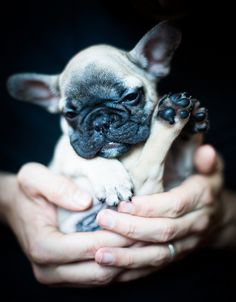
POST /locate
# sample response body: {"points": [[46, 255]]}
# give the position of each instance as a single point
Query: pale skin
{"points": [[195, 214], [192, 215]]}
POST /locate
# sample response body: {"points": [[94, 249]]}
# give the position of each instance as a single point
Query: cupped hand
{"points": [[56, 258], [184, 216]]}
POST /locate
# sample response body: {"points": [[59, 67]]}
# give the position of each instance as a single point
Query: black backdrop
{"points": [[42, 37]]}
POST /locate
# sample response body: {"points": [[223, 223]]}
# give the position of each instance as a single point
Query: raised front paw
{"points": [[175, 107], [183, 107]]}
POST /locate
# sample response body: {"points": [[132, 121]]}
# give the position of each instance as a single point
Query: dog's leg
{"points": [[172, 115], [179, 164], [179, 161]]}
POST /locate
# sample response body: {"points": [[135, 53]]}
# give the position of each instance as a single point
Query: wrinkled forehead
{"points": [[100, 71]]}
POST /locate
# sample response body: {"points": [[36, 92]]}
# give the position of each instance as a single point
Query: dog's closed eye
{"points": [[133, 96]]}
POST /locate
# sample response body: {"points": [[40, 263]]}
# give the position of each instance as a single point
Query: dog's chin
{"points": [[113, 150], [109, 150]]}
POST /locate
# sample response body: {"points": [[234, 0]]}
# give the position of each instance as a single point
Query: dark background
{"points": [[42, 37]]}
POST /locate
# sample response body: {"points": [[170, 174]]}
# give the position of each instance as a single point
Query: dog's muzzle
{"points": [[106, 131]]}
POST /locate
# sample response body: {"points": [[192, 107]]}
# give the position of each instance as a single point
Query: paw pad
{"points": [[168, 114], [181, 106], [180, 99], [172, 105], [199, 120]]}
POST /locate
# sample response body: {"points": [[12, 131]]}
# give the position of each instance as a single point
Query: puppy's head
{"points": [[106, 95]]}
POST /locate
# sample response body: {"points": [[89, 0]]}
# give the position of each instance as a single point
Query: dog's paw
{"points": [[198, 121], [175, 107], [183, 107], [112, 184]]}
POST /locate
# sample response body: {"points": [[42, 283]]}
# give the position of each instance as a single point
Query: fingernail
{"points": [[106, 220], [81, 199], [126, 207], [106, 258]]}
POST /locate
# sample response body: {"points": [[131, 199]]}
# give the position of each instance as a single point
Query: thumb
{"points": [[205, 159], [37, 180]]}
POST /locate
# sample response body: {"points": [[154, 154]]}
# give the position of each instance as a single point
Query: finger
{"points": [[155, 256], [155, 229], [133, 258], [134, 274], [208, 162], [37, 180], [53, 247], [77, 274], [205, 159], [194, 193]]}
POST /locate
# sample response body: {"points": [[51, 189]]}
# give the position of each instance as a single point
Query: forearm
{"points": [[7, 191]]}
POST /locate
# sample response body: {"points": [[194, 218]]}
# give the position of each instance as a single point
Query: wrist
{"points": [[8, 192]]}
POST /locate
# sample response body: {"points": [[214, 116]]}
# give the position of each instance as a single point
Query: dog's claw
{"points": [[102, 200]]}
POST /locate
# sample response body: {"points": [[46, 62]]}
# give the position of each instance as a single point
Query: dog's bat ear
{"points": [[155, 50], [35, 88]]}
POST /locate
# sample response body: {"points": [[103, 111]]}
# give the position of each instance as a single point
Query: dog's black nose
{"points": [[101, 123]]}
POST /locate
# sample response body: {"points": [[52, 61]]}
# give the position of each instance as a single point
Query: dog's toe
{"points": [[120, 193], [198, 122], [180, 99], [125, 194], [168, 114]]}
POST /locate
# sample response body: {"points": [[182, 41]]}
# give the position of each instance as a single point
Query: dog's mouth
{"points": [[111, 142], [112, 149], [111, 145]]}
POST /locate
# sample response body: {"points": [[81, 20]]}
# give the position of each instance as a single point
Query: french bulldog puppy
{"points": [[117, 132]]}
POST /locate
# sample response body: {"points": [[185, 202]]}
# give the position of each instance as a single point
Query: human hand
{"points": [[56, 258], [184, 216]]}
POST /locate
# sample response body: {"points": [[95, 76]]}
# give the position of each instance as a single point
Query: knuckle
{"points": [[145, 207], [192, 244], [25, 171], [202, 223], [178, 208], [103, 277], [125, 260], [60, 188], [209, 199], [91, 249], [131, 231], [40, 276], [160, 257], [167, 232], [148, 210], [38, 253]]}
